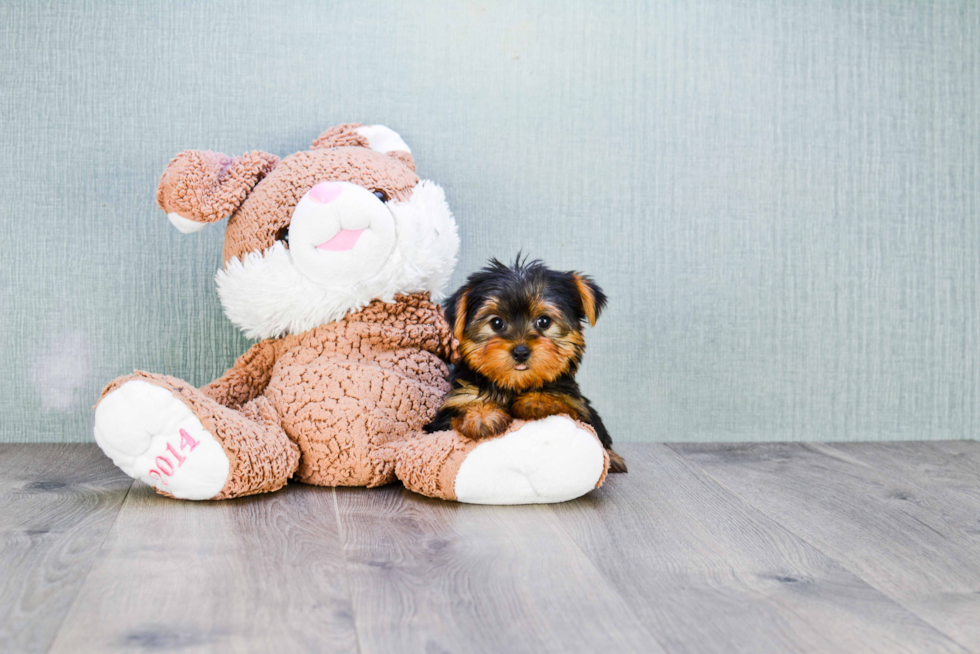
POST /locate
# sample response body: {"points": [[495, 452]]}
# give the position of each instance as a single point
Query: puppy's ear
{"points": [[456, 311], [376, 137], [591, 296], [200, 187]]}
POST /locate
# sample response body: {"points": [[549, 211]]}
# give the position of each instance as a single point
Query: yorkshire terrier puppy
{"points": [[520, 335]]}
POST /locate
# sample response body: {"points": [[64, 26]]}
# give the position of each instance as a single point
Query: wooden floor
{"points": [[699, 549]]}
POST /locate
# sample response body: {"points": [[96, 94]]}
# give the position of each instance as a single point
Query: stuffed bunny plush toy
{"points": [[334, 258]]}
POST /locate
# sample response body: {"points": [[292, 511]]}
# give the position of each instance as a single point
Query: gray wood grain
{"points": [[909, 542], [700, 549], [432, 576], [709, 573], [948, 470], [57, 503], [258, 574]]}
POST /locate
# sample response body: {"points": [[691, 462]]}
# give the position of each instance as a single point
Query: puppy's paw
{"points": [[537, 405], [481, 422], [616, 461]]}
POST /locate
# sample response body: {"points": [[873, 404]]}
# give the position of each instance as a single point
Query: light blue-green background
{"points": [[782, 198]]}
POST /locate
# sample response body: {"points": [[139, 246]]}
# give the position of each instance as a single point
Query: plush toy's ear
{"points": [[200, 187], [455, 308], [376, 137], [592, 298]]}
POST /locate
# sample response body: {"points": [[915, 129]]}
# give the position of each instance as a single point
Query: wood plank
{"points": [[899, 537], [57, 503], [433, 576], [707, 573], [257, 574], [948, 470]]}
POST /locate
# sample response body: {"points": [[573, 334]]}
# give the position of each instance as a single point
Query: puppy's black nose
{"points": [[521, 353]]}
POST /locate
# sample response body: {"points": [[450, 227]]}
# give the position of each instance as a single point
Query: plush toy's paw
{"points": [[153, 436], [616, 462], [542, 462]]}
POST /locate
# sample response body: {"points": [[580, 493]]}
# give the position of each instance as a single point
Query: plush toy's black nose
{"points": [[521, 353]]}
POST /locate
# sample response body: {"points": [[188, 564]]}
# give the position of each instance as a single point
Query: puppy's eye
{"points": [[543, 323], [496, 324], [283, 235], [381, 195]]}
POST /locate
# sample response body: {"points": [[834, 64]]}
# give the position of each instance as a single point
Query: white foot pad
{"points": [[154, 437], [545, 461]]}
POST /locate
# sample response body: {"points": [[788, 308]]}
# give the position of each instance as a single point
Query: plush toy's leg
{"points": [[169, 434], [544, 461]]}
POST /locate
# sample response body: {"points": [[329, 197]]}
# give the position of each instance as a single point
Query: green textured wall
{"points": [[781, 198]]}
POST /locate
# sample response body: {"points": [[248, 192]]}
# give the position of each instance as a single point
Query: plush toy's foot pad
{"points": [[153, 436], [541, 462], [544, 461]]}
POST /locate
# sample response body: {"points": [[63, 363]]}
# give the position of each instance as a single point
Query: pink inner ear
{"points": [[325, 192]]}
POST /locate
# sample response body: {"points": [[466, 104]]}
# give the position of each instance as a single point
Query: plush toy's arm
{"points": [[246, 379]]}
